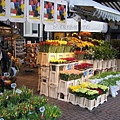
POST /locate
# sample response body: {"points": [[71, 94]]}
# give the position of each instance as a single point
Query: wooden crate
{"points": [[57, 67], [46, 57], [71, 65], [60, 55], [44, 89], [62, 97], [39, 58], [44, 79], [54, 78], [53, 91], [39, 82], [39, 70], [103, 98], [66, 55], [79, 101], [71, 98], [45, 72], [64, 86]]}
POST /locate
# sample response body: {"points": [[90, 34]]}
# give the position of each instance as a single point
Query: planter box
{"points": [[71, 98], [64, 86]]}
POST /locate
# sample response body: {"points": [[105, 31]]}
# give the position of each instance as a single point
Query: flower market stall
{"points": [[70, 63]]}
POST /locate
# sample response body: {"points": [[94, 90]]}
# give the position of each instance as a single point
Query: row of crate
{"points": [[104, 65], [100, 65], [52, 77], [61, 92], [55, 90], [43, 59], [85, 103]]}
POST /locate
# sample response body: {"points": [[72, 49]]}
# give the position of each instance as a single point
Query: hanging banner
{"points": [[61, 9], [3, 10], [48, 11], [34, 11], [17, 10]]}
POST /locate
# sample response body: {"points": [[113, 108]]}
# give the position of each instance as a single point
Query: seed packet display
{"points": [[61, 8], [48, 11], [3, 10], [34, 11], [17, 10]]}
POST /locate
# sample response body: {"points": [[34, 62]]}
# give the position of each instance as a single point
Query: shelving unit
{"points": [[19, 50]]}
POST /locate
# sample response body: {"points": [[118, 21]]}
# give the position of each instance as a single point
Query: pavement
{"points": [[109, 110]]}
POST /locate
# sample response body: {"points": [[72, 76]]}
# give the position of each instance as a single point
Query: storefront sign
{"points": [[72, 26], [94, 26]]}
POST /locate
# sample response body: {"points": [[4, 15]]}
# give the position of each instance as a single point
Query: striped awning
{"points": [[90, 7], [114, 5]]}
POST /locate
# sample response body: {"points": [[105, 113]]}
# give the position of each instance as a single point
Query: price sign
{"points": [[69, 67], [13, 85], [18, 91], [90, 72], [6, 74], [1, 119], [75, 64], [85, 73], [42, 109]]}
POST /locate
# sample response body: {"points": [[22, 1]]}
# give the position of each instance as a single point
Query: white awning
{"points": [[96, 9]]}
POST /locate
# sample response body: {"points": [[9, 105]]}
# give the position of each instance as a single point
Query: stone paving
{"points": [[110, 110]]}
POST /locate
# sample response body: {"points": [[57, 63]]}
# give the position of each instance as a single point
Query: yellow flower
{"points": [[22, 6], [38, 8]]}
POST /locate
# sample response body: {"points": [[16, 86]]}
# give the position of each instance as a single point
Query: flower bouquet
{"points": [[68, 75], [88, 90], [70, 59], [79, 54], [68, 47], [57, 61], [83, 66]]}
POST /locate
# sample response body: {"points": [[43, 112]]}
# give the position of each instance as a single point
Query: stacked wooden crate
{"points": [[48, 78]]}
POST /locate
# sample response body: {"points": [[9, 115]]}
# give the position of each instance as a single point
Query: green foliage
{"points": [[25, 106]]}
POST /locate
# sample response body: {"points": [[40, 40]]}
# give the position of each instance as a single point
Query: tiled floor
{"points": [[110, 110]]}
